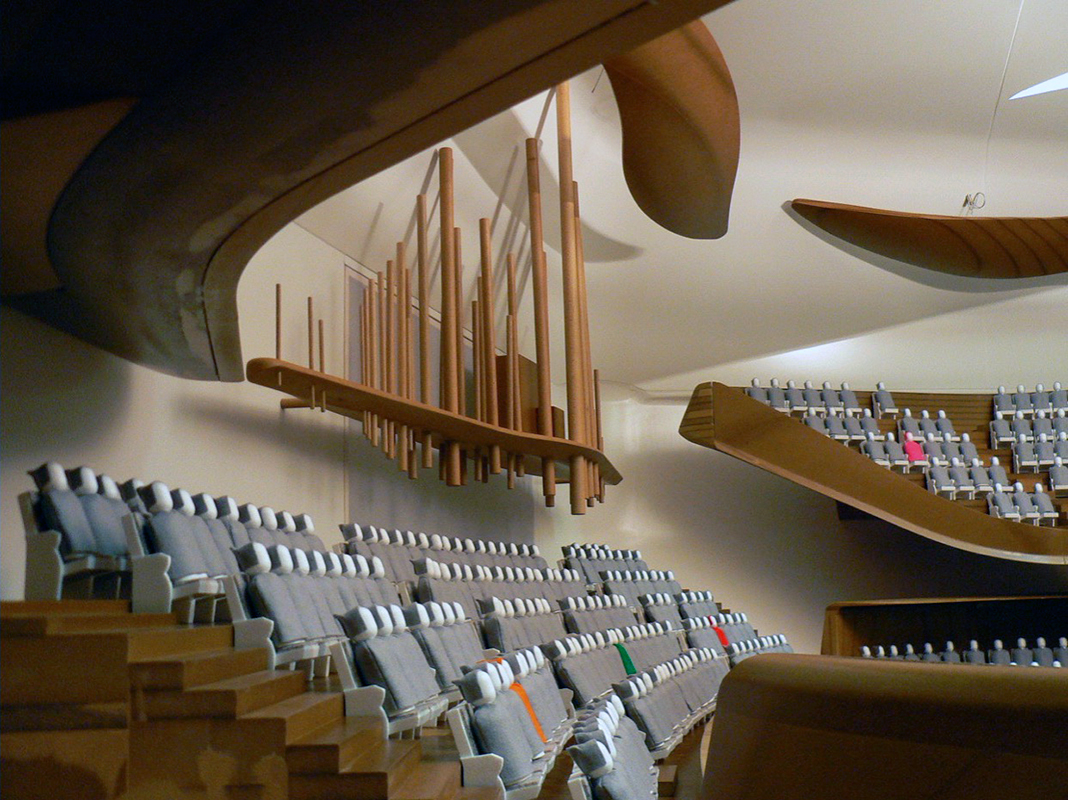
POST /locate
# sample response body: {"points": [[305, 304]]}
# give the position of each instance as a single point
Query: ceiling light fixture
{"points": [[1051, 85]]}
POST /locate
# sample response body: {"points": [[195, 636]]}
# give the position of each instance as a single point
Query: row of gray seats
{"points": [[1007, 431], [633, 584], [512, 724], [612, 761], [776, 643], [1030, 403], [697, 604], [387, 654], [808, 398], [1040, 454], [1018, 505], [597, 613], [661, 607], [669, 699], [592, 559], [939, 428], [1021, 655], [847, 427], [514, 624], [468, 584], [589, 664], [398, 549], [304, 593]]}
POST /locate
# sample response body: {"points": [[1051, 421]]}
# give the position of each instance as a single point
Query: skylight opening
{"points": [[1051, 85]]}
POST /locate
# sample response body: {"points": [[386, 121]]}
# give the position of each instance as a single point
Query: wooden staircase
{"points": [[101, 703]]}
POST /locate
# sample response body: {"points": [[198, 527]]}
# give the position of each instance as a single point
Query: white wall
{"points": [[66, 401], [762, 544]]}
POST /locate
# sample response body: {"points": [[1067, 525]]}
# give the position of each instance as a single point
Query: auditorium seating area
{"points": [[1020, 655], [956, 446], [413, 628]]}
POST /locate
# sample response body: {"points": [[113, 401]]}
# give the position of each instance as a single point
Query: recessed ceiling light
{"points": [[1052, 85]]}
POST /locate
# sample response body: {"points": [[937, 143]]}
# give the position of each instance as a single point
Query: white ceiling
{"points": [[855, 101]]}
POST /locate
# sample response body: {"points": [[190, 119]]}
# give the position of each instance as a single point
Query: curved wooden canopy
{"points": [[246, 115], [726, 419], [974, 247], [681, 134]]}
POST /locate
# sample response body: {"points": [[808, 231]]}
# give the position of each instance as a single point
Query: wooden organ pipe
{"points": [[389, 341], [479, 393], [541, 316], [576, 406], [422, 258], [513, 350], [489, 340], [402, 351], [600, 433], [450, 390], [587, 364]]}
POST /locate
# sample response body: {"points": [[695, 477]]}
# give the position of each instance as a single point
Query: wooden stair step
{"points": [[371, 775], [187, 670], [329, 747], [298, 716], [16, 608], [228, 698], [429, 780], [81, 622], [150, 644]]}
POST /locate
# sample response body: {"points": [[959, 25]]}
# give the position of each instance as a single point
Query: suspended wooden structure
{"points": [[510, 425]]}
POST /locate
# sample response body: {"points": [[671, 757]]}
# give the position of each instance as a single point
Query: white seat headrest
{"points": [[333, 565], [204, 505], [250, 516], [50, 477], [301, 563], [156, 497], [281, 559], [108, 487], [270, 519], [348, 565], [385, 620], [304, 523], [287, 524], [363, 569], [378, 570], [82, 481], [183, 502]]}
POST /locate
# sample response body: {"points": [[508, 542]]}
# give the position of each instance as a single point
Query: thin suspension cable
{"points": [[1001, 91]]}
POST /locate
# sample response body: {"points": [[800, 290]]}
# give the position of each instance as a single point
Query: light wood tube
{"points": [[600, 434], [278, 321], [489, 340], [450, 394], [587, 363], [402, 349], [372, 329], [541, 316], [422, 258], [576, 406], [480, 378], [461, 371]]}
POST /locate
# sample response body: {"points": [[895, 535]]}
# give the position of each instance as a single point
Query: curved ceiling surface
{"points": [[847, 99]]}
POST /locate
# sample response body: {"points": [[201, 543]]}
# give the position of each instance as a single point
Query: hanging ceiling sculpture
{"points": [[973, 247], [679, 115]]}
